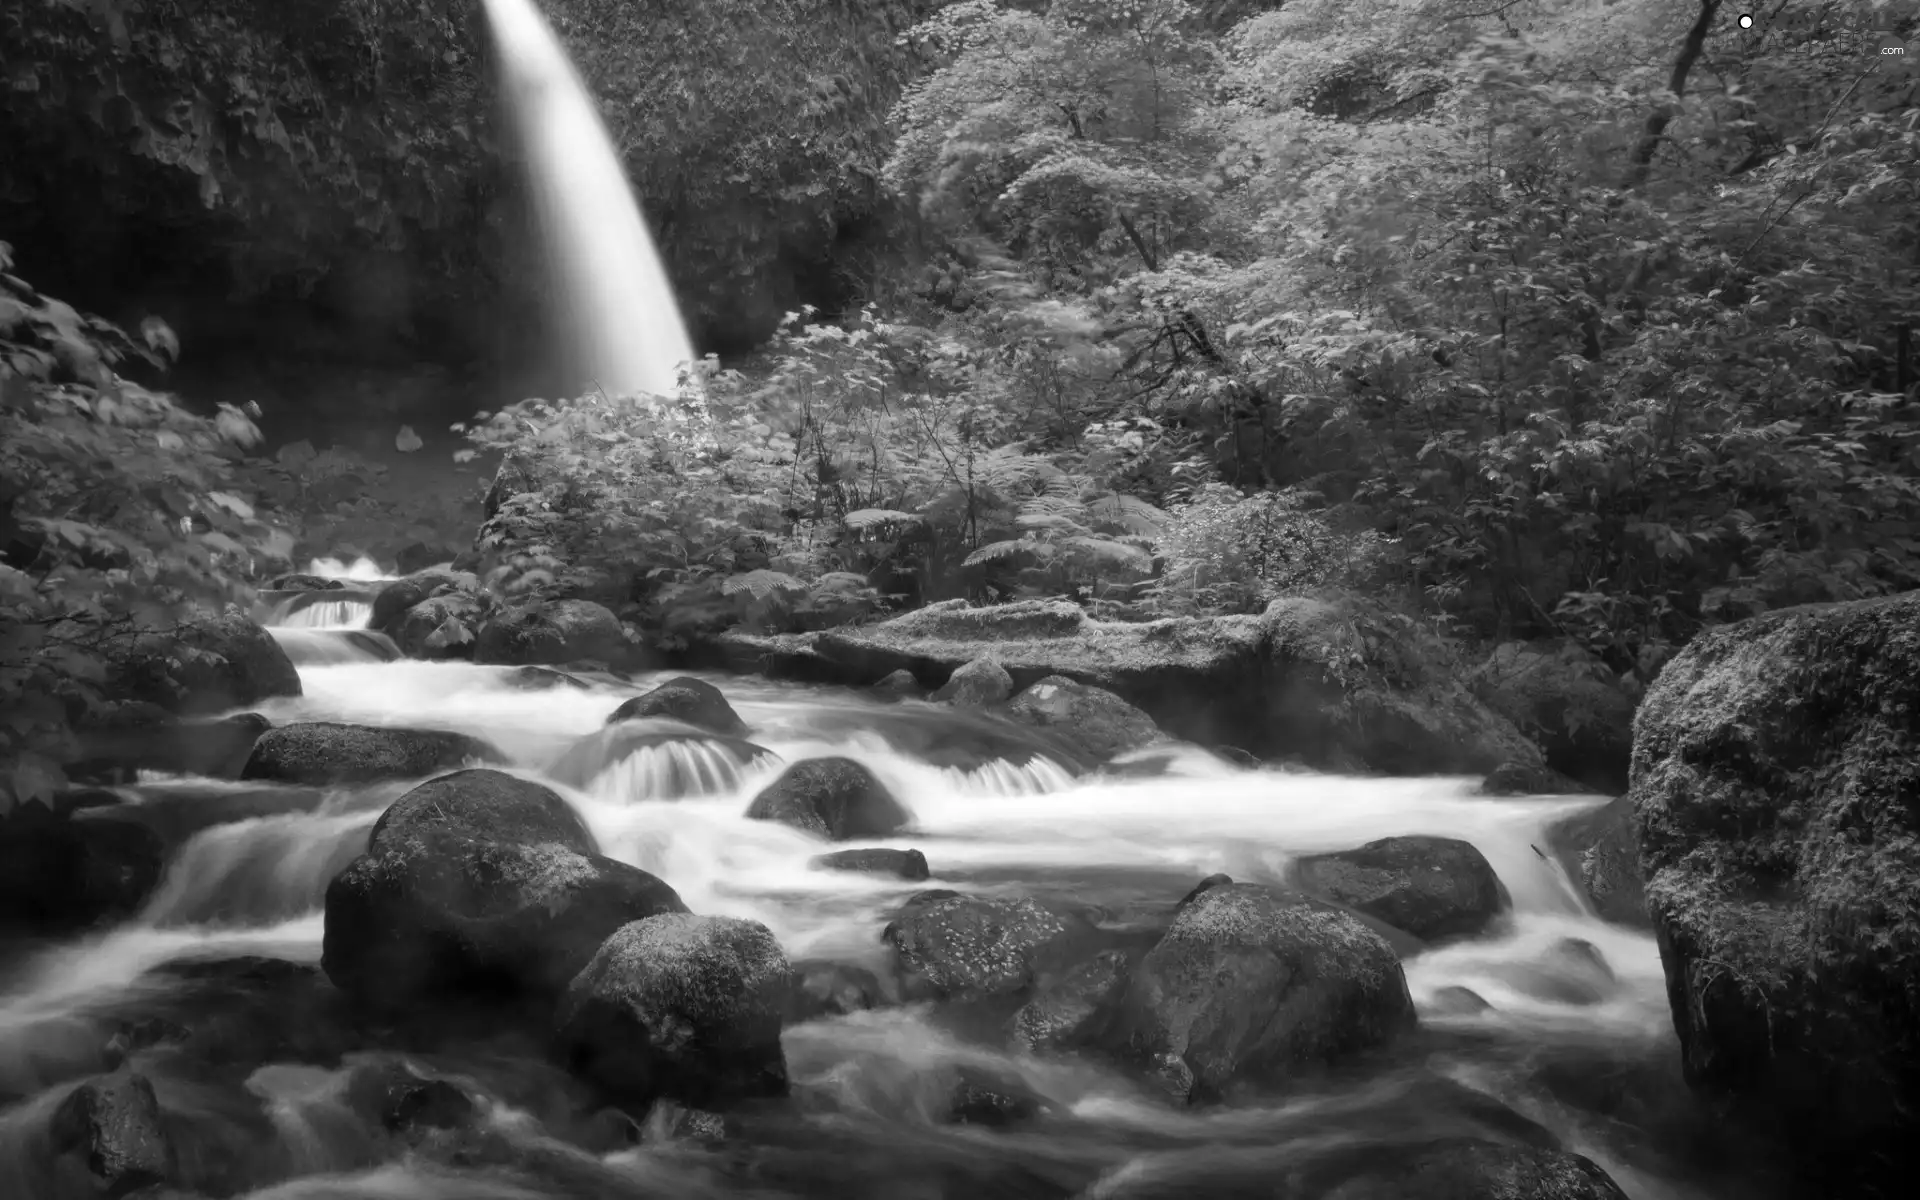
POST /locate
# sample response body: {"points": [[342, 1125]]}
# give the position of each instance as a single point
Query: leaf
{"points": [[233, 504], [36, 777]]}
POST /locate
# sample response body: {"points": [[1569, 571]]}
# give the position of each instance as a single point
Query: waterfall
{"points": [[619, 307]]}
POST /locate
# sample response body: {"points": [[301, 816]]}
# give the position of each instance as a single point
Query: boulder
{"points": [[992, 1099], [692, 701], [61, 871], [204, 666], [837, 798], [1431, 887], [441, 627], [1528, 779], [1599, 849], [659, 759], [1076, 1009], [1250, 985], [1776, 766], [1571, 971], [420, 556], [972, 947], [900, 685], [301, 582], [390, 1093], [114, 1126], [478, 883], [902, 864], [981, 683], [1335, 681], [1095, 720], [557, 631], [394, 599], [683, 1007], [321, 753], [821, 988], [134, 737]]}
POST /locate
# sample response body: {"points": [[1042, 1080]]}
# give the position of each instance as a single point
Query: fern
{"points": [[762, 584]]}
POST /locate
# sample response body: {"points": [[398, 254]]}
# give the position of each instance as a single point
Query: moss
{"points": [[975, 945]]}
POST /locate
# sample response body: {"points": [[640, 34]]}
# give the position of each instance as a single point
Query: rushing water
{"points": [[617, 301], [250, 866]]}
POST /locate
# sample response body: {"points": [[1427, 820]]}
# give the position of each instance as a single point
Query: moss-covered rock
{"points": [[205, 666], [1334, 681], [477, 885], [1776, 798], [836, 798], [683, 1007], [320, 753], [955, 946], [115, 1127], [393, 600], [1431, 887], [981, 683], [1075, 1009], [1250, 985], [901, 864], [1093, 719], [559, 631], [441, 627]]}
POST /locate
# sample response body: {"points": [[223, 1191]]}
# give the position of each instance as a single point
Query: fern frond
{"points": [[862, 519], [994, 551], [762, 583], [1104, 553], [1129, 513]]}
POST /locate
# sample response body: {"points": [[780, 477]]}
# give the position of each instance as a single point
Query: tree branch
{"points": [[1658, 120]]}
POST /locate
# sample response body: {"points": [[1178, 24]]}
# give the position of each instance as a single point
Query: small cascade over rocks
{"points": [[317, 610], [325, 647], [654, 759]]}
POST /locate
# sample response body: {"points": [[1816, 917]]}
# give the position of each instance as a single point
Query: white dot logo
{"points": [[1746, 21]]}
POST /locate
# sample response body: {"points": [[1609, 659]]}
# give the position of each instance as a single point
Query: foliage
{"points": [[118, 514], [1228, 552], [322, 128]]}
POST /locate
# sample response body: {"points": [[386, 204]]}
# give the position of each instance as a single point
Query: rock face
{"points": [[1284, 682], [683, 1007], [1431, 887], [207, 666], [324, 752], [981, 683], [951, 945], [1077, 1009], [693, 701], [478, 883], [114, 1126], [837, 798], [559, 631], [1776, 795], [397, 597], [1249, 985], [1601, 851], [440, 627], [1093, 719]]}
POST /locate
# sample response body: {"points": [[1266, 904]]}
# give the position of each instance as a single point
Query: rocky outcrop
{"points": [[1776, 766], [1431, 887], [1599, 849], [1094, 720], [683, 1007], [1078, 1008], [474, 885], [981, 683], [973, 947], [1249, 986], [441, 627], [319, 753], [204, 666], [692, 701], [558, 631], [394, 599], [1331, 682], [837, 798]]}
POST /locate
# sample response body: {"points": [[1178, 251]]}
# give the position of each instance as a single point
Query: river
{"points": [[1588, 1054]]}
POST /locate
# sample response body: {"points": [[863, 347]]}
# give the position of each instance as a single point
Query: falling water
{"points": [[619, 305]]}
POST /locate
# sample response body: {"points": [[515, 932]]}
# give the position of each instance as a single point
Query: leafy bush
{"points": [[1229, 553], [117, 515]]}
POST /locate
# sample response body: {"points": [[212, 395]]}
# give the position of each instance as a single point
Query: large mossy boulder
{"points": [[1776, 798], [680, 1006], [1334, 682], [1094, 720], [974, 947], [393, 600], [478, 885], [321, 753], [557, 631], [981, 683], [441, 627], [836, 798], [1250, 985], [204, 666], [1431, 887], [692, 701]]}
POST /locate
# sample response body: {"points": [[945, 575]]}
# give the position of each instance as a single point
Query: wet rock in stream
{"points": [[972, 947], [691, 701], [61, 871], [478, 882], [837, 798], [1249, 985], [683, 1007], [551, 633], [1430, 887], [321, 753], [910, 865], [114, 1127]]}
